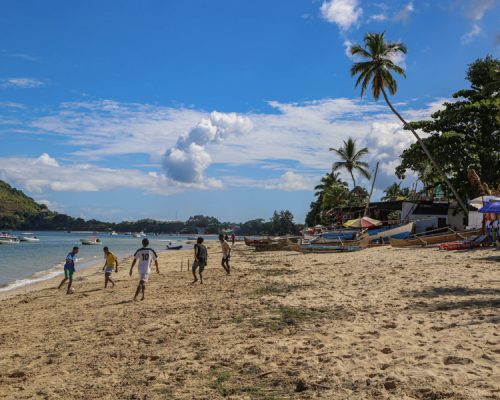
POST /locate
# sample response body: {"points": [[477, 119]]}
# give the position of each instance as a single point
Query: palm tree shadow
{"points": [[452, 291]]}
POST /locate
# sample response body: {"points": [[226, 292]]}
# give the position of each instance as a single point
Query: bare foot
{"points": [[142, 298], [196, 280]]}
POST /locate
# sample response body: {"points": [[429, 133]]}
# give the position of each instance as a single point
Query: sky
{"points": [[121, 110]]}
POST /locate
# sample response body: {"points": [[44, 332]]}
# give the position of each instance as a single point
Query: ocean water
{"points": [[29, 262]]}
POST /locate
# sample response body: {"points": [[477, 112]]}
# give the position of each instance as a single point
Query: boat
{"points": [[113, 233], [28, 237], [385, 234], [139, 235], [174, 246], [314, 248], [422, 240], [7, 238], [91, 240]]}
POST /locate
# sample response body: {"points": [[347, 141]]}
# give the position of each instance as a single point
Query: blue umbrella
{"points": [[492, 207]]}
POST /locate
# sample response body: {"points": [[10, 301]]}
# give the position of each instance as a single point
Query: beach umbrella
{"points": [[492, 207], [480, 201], [364, 222]]}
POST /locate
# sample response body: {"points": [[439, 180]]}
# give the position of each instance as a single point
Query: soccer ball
{"points": [[72, 290]]}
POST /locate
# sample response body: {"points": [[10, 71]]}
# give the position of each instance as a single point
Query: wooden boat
{"points": [[426, 240], [312, 248]]}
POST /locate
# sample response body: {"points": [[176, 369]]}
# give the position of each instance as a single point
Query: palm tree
{"points": [[351, 159], [328, 180], [395, 192], [376, 70]]}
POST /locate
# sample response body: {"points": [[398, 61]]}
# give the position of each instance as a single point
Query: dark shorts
{"points": [[68, 273], [226, 259], [198, 265]]}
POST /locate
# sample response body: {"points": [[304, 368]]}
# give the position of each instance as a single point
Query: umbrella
{"points": [[364, 222], [492, 207], [480, 201]]}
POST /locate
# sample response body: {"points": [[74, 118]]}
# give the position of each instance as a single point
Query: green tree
{"points": [[464, 134], [350, 157], [336, 195], [395, 192], [377, 71], [282, 223]]}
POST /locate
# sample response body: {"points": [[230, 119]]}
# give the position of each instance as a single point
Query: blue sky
{"points": [[126, 109]]}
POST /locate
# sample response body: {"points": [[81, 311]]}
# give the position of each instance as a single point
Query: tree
{"points": [[336, 195], [350, 157], [377, 71], [282, 223], [395, 192], [464, 134]]}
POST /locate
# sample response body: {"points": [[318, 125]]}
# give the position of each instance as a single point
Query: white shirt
{"points": [[145, 256]]}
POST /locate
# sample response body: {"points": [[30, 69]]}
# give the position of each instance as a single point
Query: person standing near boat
{"points": [[110, 265], [495, 230], [144, 256], [69, 270], [226, 254], [200, 259]]}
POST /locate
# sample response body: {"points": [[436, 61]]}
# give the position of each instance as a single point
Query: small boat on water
{"points": [[422, 240], [139, 235], [91, 240], [174, 246], [28, 237], [7, 238], [113, 233]]}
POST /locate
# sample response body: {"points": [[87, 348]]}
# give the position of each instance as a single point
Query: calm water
{"points": [[28, 262]]}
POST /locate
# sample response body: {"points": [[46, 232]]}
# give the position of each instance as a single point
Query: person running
{"points": [[145, 256], [200, 259], [226, 254], [233, 238], [69, 270], [110, 265]]}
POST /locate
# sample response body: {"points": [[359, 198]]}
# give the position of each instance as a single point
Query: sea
{"points": [[26, 263]]}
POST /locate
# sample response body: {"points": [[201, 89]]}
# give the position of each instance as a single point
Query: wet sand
{"points": [[381, 323]]}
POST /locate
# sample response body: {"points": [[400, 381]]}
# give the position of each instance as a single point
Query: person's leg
{"points": [[193, 270], [228, 267], [62, 283], [202, 268], [106, 278], [70, 283], [139, 286], [223, 263], [143, 289]]}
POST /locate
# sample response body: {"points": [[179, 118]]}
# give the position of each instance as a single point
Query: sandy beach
{"points": [[381, 323]]}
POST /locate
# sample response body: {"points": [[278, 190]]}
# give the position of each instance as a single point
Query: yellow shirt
{"points": [[110, 259]]}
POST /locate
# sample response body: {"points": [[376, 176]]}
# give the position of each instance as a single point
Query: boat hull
{"points": [[423, 241]]}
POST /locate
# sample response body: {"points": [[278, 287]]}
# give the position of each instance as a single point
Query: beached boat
{"points": [[7, 238], [426, 240], [28, 237], [385, 234], [174, 246], [91, 240], [314, 248]]}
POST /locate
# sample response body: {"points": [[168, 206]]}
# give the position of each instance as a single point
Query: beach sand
{"points": [[381, 323]]}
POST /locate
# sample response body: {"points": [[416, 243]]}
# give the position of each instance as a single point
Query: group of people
{"points": [[144, 257]]}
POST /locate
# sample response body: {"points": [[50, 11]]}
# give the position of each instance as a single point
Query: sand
{"points": [[381, 323]]}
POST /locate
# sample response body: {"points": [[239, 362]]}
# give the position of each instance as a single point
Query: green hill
{"points": [[15, 202]]}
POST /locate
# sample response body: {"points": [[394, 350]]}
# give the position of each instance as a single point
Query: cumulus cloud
{"points": [[377, 17], [405, 13], [469, 36], [23, 83], [292, 181], [188, 159], [343, 13]]}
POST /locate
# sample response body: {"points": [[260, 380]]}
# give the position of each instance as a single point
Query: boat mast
{"points": [[371, 191]]}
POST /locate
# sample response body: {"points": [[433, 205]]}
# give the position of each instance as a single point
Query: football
{"points": [[72, 290]]}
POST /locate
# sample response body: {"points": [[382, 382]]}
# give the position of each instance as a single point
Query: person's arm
{"points": [[195, 253], [132, 266], [116, 262], [157, 267]]}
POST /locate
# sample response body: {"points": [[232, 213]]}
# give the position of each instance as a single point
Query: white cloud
{"points": [[399, 59], [343, 13], [23, 83], [377, 18], [405, 13], [469, 36], [475, 9], [188, 159], [291, 181], [45, 173]]}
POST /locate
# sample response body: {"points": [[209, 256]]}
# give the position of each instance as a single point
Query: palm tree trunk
{"points": [[429, 155], [371, 191], [353, 181]]}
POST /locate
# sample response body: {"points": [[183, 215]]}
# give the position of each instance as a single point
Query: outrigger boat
{"points": [[313, 248], [422, 240]]}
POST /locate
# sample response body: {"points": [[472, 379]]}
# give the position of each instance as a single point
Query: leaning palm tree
{"points": [[350, 157], [377, 71]]}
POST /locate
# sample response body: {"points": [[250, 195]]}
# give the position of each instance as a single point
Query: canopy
{"points": [[364, 222], [480, 201], [492, 207]]}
